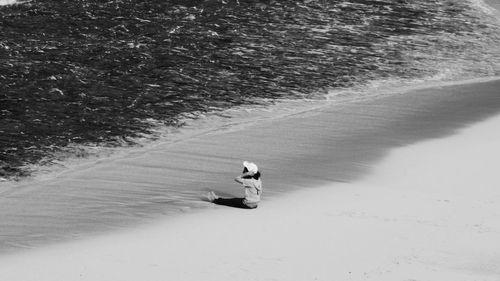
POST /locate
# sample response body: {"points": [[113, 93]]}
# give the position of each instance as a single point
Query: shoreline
{"points": [[335, 144], [426, 211], [445, 69], [245, 117], [400, 187], [7, 2]]}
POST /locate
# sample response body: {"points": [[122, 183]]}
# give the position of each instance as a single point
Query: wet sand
{"points": [[339, 143], [401, 188]]}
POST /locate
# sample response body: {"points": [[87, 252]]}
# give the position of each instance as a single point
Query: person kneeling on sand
{"points": [[251, 181]]}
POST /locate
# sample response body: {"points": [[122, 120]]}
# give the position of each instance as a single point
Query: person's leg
{"points": [[232, 202]]}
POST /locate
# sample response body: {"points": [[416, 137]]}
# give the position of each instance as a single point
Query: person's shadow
{"points": [[229, 200]]}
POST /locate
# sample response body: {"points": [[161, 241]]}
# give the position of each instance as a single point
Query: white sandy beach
{"points": [[428, 211], [335, 144], [403, 187], [398, 188]]}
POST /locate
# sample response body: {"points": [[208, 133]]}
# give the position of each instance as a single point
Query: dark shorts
{"points": [[235, 202]]}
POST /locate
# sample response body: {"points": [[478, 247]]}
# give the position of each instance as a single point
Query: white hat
{"points": [[251, 167]]}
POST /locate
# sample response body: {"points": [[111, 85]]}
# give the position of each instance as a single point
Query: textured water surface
{"points": [[103, 72]]}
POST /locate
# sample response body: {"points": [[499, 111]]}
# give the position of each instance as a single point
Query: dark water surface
{"points": [[103, 72]]}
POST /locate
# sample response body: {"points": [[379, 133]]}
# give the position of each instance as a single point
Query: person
{"points": [[251, 181]]}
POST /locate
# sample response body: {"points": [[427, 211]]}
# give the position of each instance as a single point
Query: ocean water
{"points": [[103, 73]]}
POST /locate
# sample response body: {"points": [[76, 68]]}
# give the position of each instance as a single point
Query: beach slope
{"points": [[426, 211]]}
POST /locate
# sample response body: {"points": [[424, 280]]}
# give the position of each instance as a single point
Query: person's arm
{"points": [[239, 179]]}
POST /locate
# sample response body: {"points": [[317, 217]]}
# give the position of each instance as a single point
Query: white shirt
{"points": [[253, 190]]}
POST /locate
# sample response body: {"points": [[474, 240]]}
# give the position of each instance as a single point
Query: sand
{"points": [[426, 211], [338, 143], [401, 187]]}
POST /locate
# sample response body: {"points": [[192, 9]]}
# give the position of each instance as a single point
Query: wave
{"points": [[113, 74]]}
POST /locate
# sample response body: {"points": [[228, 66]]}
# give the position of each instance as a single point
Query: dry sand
{"points": [[339, 143], [427, 211]]}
